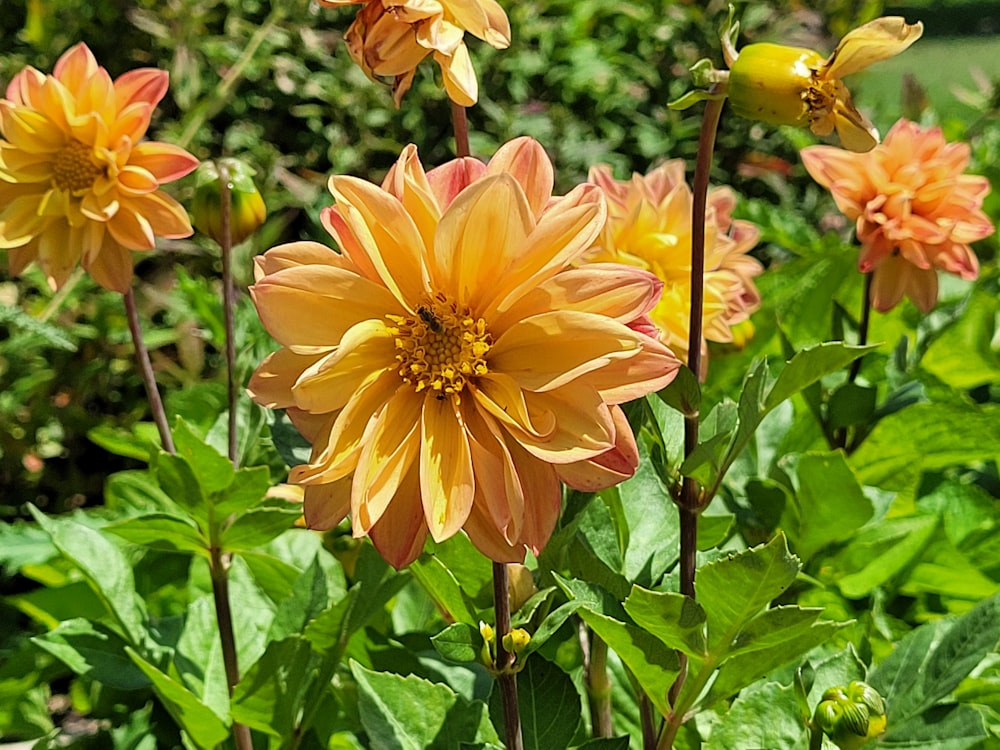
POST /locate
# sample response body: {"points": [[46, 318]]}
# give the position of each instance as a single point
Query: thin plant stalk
{"points": [[60, 296], [692, 502], [596, 682], [866, 316], [460, 122], [146, 372], [219, 570], [506, 678], [228, 304]]}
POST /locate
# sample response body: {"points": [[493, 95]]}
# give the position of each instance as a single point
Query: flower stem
{"points": [[691, 503], [866, 315], [595, 677], [219, 569], [461, 124], [228, 303], [59, 297], [146, 371], [506, 678]]}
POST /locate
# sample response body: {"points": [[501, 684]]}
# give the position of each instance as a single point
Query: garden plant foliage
{"points": [[845, 552]]}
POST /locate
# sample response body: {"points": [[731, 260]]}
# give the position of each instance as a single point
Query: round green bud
{"points": [[247, 209]]}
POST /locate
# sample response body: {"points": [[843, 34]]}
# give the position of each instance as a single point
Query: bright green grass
{"points": [[940, 66]]}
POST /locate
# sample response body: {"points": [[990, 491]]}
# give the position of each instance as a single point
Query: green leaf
{"points": [[851, 404], [653, 664], [291, 446], [163, 532], [677, 620], [927, 437], [260, 525], [274, 576], [213, 470], [105, 569], [443, 587], [247, 490], [307, 599], [828, 504], [460, 642], [136, 491], [808, 366], [765, 716], [550, 626], [953, 727], [203, 727], [549, 706], [931, 661], [270, 695], [735, 589], [176, 477], [963, 355], [879, 553], [198, 655], [774, 638], [683, 393], [408, 713], [606, 743], [93, 652]]}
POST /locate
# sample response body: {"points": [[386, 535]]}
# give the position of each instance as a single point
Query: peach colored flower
{"points": [[649, 226], [916, 212], [796, 86], [389, 38], [450, 366], [77, 183]]}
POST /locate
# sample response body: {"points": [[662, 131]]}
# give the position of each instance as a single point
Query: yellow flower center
{"points": [[441, 346], [73, 169]]}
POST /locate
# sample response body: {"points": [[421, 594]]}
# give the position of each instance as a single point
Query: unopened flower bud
{"points": [[851, 716], [770, 82], [247, 209], [489, 640], [516, 640]]}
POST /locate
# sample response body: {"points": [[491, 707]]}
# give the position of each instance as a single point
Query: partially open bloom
{"points": [[915, 210], [797, 86], [451, 365], [389, 38], [77, 182], [649, 226]]}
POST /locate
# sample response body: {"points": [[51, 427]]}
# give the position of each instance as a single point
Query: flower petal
{"points": [[526, 161], [609, 468], [163, 160], [326, 505], [875, 41], [272, 381], [400, 533], [447, 482]]}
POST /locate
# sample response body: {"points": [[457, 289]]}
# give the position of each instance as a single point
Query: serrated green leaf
{"points": [[443, 587], [881, 552], [198, 658], [550, 626], [828, 505], [105, 570], [307, 599], [93, 652], [926, 437], [953, 727], [163, 532], [963, 355], [136, 491], [247, 490], [460, 642], [408, 713], [808, 366], [15, 318], [931, 661], [274, 576], [203, 727], [260, 525], [735, 589], [677, 620], [178, 480], [270, 695], [766, 716], [549, 706], [121, 442]]}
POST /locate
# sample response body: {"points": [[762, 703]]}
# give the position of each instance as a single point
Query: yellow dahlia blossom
{"points": [[389, 38], [77, 182], [649, 226], [451, 365], [796, 86], [915, 210]]}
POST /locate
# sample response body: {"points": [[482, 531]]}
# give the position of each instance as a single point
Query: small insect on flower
{"points": [[430, 319]]}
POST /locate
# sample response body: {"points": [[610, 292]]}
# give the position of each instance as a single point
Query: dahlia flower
{"points": [[915, 210], [390, 38], [451, 364], [77, 183], [796, 86], [649, 226]]}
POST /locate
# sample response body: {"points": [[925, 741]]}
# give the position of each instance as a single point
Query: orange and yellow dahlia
{"points": [[915, 210], [389, 38], [452, 364], [77, 183], [649, 226]]}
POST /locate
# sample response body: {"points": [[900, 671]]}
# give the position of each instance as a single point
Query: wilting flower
{"points": [[916, 211], [389, 38], [649, 226], [450, 366], [796, 86], [77, 183]]}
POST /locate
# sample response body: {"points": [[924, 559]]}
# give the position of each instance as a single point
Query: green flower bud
{"points": [[770, 82], [516, 640], [851, 716], [247, 209]]}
